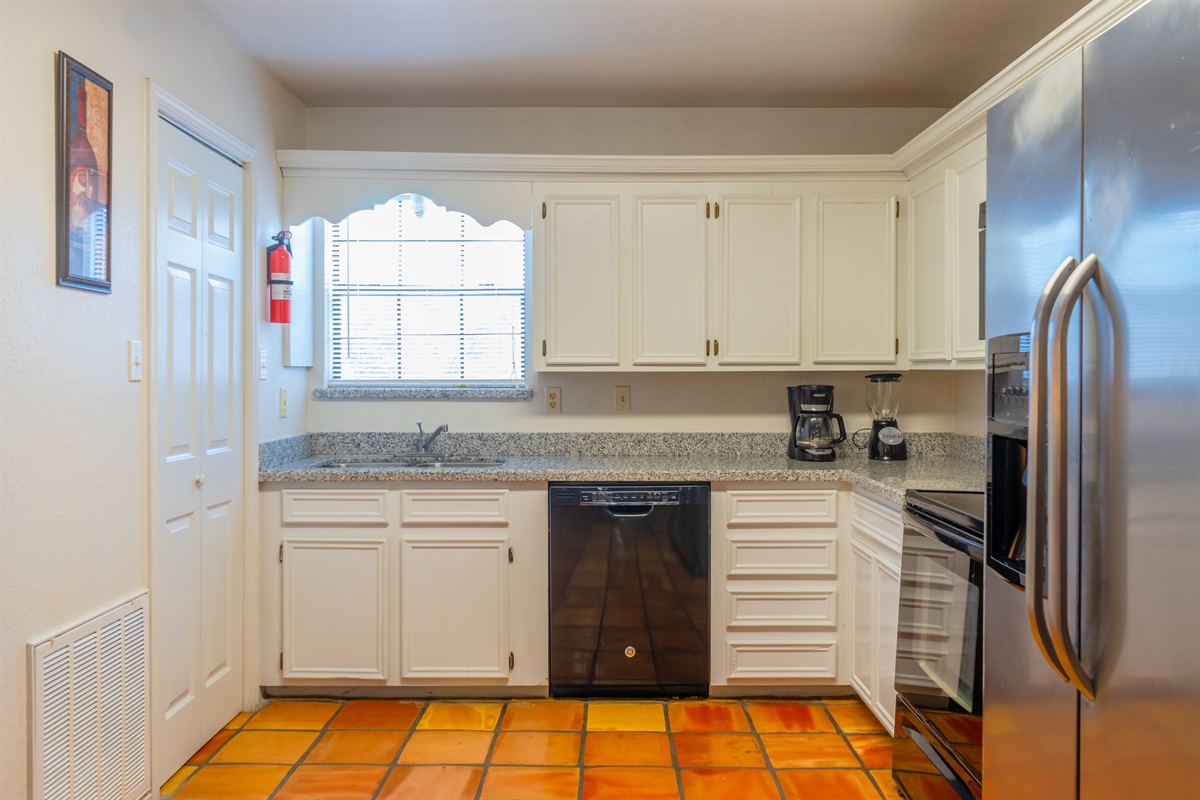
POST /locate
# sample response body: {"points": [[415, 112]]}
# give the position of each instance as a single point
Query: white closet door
{"points": [[197, 374]]}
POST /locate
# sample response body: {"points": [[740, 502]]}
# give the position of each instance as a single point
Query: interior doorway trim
{"points": [[163, 105]]}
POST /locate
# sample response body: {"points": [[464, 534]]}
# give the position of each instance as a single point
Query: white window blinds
{"points": [[419, 294]]}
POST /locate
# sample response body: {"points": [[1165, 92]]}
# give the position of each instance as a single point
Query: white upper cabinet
{"points": [[944, 279], [581, 279], [855, 280], [758, 279], [714, 276], [970, 190], [670, 278], [929, 314]]}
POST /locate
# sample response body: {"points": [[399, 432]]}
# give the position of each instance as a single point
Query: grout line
{"points": [[412, 728], [208, 760], [341, 705], [674, 758], [763, 747], [487, 759], [582, 744], [846, 739]]}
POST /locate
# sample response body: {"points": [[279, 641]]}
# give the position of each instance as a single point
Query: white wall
{"points": [[73, 525], [731, 402], [619, 131], [970, 402]]}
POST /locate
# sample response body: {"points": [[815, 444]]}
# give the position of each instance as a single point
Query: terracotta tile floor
{"points": [[555, 749]]}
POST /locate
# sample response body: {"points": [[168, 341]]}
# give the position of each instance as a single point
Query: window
{"points": [[421, 295]]}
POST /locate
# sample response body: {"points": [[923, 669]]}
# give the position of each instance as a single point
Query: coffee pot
{"points": [[811, 413]]}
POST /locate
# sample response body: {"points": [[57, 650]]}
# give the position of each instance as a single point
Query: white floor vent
{"points": [[90, 708]]}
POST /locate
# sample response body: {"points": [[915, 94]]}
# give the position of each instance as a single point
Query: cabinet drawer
{"points": [[763, 660], [781, 608], [750, 508], [778, 557], [437, 507], [335, 506], [877, 525]]}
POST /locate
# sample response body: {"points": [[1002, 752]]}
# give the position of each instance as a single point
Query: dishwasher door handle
{"points": [[627, 512]]}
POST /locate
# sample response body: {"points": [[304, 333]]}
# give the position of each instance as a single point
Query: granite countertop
{"points": [[943, 468]]}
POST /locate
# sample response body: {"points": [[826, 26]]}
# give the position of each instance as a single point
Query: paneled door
{"points": [[196, 583]]}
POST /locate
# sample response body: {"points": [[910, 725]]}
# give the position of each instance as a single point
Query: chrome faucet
{"points": [[423, 444]]}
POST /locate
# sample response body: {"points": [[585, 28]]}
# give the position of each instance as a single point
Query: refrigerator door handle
{"points": [[1035, 498], [1057, 516]]}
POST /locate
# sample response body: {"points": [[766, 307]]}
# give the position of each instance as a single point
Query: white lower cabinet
{"points": [[775, 586], [405, 584], [876, 532]]}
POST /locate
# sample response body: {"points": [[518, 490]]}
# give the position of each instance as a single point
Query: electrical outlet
{"points": [[624, 399], [282, 403], [262, 364], [135, 360], [553, 400]]}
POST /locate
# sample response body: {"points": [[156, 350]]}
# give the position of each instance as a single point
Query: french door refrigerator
{"points": [[1092, 590]]}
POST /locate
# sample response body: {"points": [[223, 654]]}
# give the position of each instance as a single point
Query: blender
{"points": [[883, 398]]}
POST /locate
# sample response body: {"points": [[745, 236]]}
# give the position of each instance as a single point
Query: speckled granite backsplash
{"points": [[282, 451]]}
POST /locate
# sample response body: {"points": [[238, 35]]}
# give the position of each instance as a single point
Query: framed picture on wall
{"points": [[84, 177]]}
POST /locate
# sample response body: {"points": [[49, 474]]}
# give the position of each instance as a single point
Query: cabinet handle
{"points": [[543, 210], [708, 210], [200, 479], [716, 210], [716, 348], [707, 347], [543, 347]]}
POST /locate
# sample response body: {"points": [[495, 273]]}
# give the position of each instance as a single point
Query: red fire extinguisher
{"points": [[279, 277]]}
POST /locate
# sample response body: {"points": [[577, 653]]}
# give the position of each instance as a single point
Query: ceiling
{"points": [[612, 53]]}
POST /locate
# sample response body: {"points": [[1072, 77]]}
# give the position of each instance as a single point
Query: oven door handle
{"points": [[1035, 496], [1058, 472]]}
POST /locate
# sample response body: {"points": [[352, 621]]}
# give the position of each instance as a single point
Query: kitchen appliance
{"points": [[629, 581], [883, 398], [939, 647], [812, 419], [1091, 647]]}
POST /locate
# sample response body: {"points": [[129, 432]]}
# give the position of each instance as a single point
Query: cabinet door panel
{"points": [[454, 614], [971, 190], [759, 280], [670, 297], [856, 283], [887, 584], [582, 282], [928, 298], [335, 608], [863, 673]]}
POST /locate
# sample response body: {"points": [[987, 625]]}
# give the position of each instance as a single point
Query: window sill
{"points": [[422, 393]]}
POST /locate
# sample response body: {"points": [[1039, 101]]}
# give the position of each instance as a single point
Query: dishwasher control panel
{"points": [[566, 494]]}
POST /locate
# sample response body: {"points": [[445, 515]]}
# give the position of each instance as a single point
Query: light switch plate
{"points": [[282, 403], [135, 360], [624, 399], [553, 400], [262, 364]]}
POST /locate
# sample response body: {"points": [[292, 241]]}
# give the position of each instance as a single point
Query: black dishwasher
{"points": [[629, 589]]}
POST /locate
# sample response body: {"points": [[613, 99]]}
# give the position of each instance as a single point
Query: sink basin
{"points": [[410, 461]]}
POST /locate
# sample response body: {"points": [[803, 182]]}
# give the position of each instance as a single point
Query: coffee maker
{"points": [[883, 398], [812, 417]]}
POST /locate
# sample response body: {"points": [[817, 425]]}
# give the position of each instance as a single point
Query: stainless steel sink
{"points": [[410, 461]]}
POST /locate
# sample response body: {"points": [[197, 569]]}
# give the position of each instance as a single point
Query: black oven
{"points": [[939, 654]]}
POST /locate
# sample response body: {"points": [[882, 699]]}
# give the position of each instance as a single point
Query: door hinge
{"points": [[543, 210], [897, 347], [281, 662], [510, 555], [281, 552], [716, 210], [512, 661], [543, 347], [708, 210]]}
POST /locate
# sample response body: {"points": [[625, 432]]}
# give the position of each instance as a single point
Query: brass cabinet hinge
{"points": [[510, 555], [716, 210], [512, 661], [543, 210]]}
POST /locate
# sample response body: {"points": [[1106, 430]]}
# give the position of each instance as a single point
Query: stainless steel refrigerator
{"points": [[1093, 319]]}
